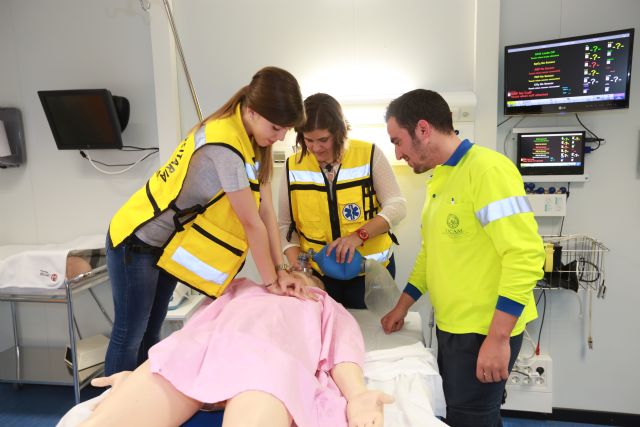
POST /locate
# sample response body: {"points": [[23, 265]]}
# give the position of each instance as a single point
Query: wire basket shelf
{"points": [[574, 262]]}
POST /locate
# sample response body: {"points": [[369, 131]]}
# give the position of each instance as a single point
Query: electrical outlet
{"points": [[529, 385]]}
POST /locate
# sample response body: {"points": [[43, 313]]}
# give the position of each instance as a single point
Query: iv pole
{"points": [[145, 4]]}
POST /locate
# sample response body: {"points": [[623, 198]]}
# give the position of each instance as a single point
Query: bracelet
{"points": [[266, 285], [283, 267]]}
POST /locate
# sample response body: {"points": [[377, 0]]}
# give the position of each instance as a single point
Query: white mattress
{"points": [[376, 339]]}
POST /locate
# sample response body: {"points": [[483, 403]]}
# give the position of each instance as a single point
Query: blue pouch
{"points": [[341, 271]]}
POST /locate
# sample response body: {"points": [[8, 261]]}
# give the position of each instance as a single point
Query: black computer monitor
{"points": [[84, 118], [591, 72], [551, 153]]}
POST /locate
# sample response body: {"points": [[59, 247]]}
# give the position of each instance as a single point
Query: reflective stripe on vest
{"points": [[320, 215], [354, 173], [300, 177], [208, 249], [381, 257], [202, 269], [503, 208], [252, 170]]}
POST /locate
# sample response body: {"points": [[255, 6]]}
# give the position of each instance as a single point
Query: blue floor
{"points": [[43, 406]]}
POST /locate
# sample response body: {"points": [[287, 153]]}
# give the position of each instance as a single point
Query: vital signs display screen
{"points": [[551, 153], [565, 75]]}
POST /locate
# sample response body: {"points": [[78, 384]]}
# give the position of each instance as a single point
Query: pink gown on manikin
{"points": [[249, 339]]}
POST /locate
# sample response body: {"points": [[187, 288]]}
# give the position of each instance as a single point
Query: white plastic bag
{"points": [[380, 290]]}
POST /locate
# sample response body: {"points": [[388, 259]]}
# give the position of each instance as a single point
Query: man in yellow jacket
{"points": [[480, 258]]}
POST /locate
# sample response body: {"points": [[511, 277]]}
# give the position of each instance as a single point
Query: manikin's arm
{"points": [[364, 406]]}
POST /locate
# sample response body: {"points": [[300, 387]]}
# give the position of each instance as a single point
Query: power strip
{"points": [[529, 387]]}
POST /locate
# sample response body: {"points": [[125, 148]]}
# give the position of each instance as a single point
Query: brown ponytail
{"points": [[273, 93]]}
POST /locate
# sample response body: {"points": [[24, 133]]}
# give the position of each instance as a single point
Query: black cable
{"points": [[586, 128], [504, 142], [581, 267], [134, 148], [596, 137], [544, 310], [598, 140], [504, 121], [82, 153]]}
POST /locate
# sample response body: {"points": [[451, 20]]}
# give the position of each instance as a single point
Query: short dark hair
{"points": [[323, 112], [421, 104]]}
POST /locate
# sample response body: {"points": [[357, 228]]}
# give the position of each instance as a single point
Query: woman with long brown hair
{"points": [[198, 216], [338, 195]]}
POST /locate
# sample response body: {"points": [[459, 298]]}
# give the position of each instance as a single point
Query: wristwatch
{"points": [[283, 267], [362, 234]]}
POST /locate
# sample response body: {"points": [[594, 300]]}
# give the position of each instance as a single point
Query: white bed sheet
{"points": [[376, 339], [40, 268], [399, 364]]}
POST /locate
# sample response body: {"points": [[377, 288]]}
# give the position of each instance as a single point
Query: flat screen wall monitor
{"points": [[551, 153], [591, 72], [85, 118]]}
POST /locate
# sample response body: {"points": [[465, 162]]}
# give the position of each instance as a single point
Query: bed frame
{"points": [[44, 365]]}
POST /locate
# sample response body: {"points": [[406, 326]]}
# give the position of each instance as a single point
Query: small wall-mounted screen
{"points": [[82, 119], [551, 153], [583, 73]]}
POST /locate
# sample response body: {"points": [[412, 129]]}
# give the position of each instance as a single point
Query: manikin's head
{"points": [[309, 279]]}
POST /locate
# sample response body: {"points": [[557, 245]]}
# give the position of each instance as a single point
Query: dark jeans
{"points": [[350, 293], [469, 402], [141, 294]]}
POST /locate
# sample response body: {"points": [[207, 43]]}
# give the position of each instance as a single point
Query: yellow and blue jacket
{"points": [[481, 250]]}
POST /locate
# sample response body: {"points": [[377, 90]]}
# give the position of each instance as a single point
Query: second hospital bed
{"points": [[53, 273]]}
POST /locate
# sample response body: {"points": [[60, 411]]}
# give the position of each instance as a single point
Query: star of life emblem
{"points": [[351, 212]]}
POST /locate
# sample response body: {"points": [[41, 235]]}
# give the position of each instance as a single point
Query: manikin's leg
{"points": [[253, 408], [143, 399]]}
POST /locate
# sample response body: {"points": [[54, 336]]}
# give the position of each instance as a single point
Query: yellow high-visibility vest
{"points": [[209, 245], [320, 217]]}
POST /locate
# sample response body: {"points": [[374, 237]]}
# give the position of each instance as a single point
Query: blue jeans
{"points": [[141, 294], [470, 403]]}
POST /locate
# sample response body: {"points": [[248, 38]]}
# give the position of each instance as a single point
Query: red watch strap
{"points": [[363, 234]]}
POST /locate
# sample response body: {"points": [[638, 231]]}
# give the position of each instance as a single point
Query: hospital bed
{"points": [[39, 274], [399, 364]]}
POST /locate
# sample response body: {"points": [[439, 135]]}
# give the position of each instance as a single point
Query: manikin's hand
{"points": [[345, 247], [394, 320], [366, 409], [493, 360], [112, 381]]}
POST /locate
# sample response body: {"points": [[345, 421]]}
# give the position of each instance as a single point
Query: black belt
{"points": [[136, 245]]}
